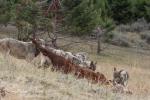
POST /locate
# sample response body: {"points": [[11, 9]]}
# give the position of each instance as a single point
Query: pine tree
{"points": [[120, 11], [83, 16]]}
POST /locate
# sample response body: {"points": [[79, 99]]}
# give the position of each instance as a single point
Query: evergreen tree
{"points": [[82, 16], [140, 9], [120, 11]]}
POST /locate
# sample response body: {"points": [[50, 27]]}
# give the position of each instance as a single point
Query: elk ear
{"points": [[91, 63], [95, 62], [115, 69]]}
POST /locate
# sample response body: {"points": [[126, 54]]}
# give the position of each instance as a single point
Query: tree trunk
{"points": [[18, 36], [98, 45], [19, 33], [54, 39], [99, 34], [34, 31]]}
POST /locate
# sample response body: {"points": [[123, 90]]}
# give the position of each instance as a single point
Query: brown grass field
{"points": [[24, 81], [27, 82]]}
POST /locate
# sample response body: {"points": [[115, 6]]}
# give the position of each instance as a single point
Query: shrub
{"points": [[121, 40], [139, 26], [118, 39], [146, 37], [108, 37]]}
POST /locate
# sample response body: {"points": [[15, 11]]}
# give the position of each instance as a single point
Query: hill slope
{"points": [[31, 83], [26, 81]]}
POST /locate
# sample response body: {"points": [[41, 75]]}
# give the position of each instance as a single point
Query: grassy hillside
{"points": [[135, 61], [30, 83], [27, 82]]}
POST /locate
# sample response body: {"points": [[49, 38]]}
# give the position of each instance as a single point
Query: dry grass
{"points": [[26, 81], [136, 61], [31, 83]]}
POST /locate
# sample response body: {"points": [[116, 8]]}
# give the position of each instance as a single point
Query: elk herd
{"points": [[67, 62]]}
